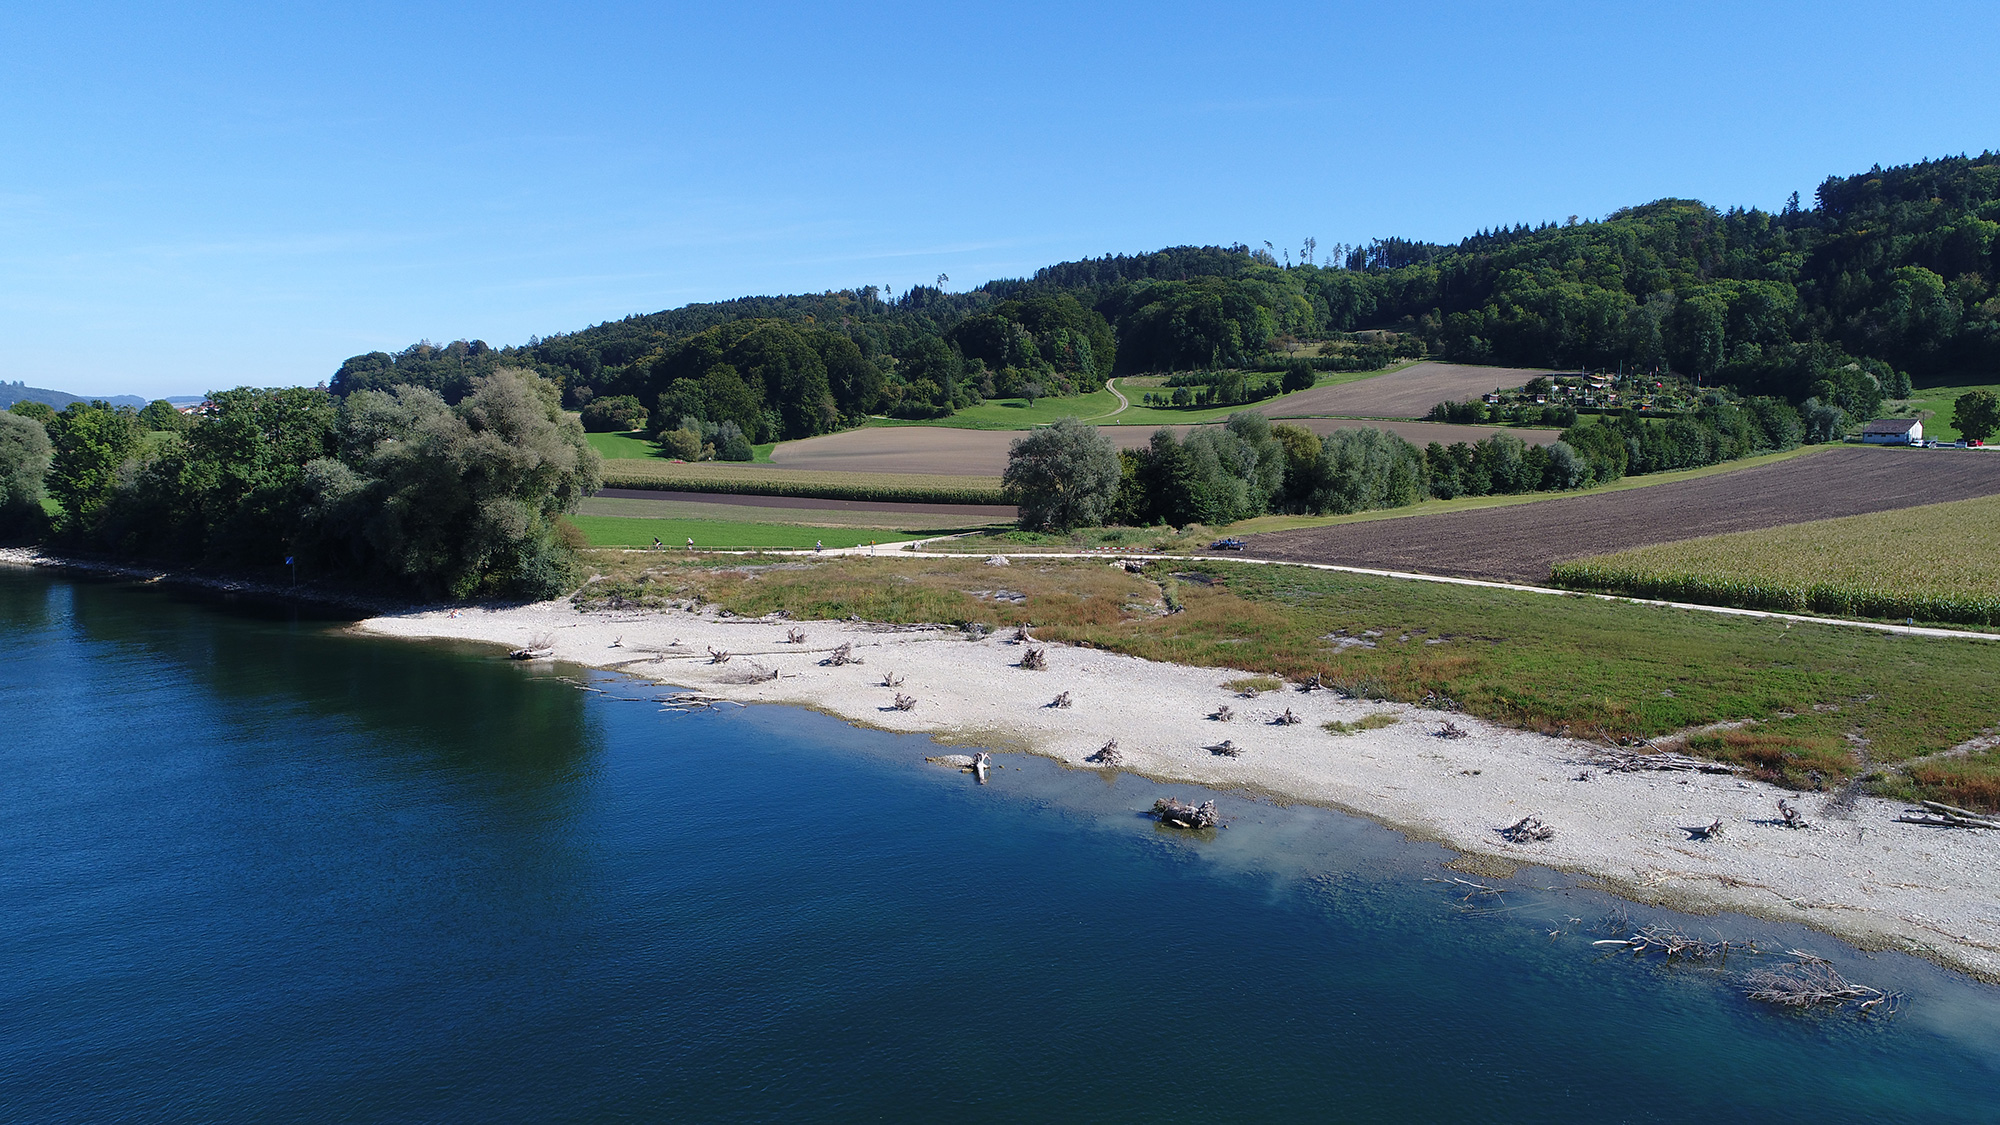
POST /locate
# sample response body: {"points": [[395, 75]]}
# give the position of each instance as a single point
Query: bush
{"points": [[616, 414]]}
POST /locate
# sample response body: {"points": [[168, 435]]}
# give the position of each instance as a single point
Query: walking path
{"points": [[1123, 402], [913, 549]]}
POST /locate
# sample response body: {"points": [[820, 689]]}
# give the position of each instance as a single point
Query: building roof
{"points": [[1891, 426]]}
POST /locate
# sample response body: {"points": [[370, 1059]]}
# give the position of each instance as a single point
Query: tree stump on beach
{"points": [[1178, 814]]}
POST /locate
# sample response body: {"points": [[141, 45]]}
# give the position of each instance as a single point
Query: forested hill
{"points": [[11, 393], [1889, 274]]}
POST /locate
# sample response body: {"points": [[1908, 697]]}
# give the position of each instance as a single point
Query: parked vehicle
{"points": [[1230, 544]]}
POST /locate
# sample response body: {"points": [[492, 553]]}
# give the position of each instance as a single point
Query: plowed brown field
{"points": [[1409, 393], [934, 450], [1521, 542]]}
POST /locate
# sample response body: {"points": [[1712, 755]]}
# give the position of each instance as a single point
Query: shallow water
{"points": [[257, 869]]}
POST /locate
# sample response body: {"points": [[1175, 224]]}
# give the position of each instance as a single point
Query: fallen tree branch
{"points": [[1107, 755], [1812, 982], [1938, 815]]}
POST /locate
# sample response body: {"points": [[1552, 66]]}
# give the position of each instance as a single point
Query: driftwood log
{"points": [[1035, 659], [1178, 814], [1312, 683], [1527, 830], [1449, 729], [1225, 749], [1938, 815], [717, 656], [892, 679], [1288, 719], [981, 762], [1223, 713], [1710, 831], [905, 702], [1060, 701], [1107, 755], [795, 636], [1789, 815], [1634, 761], [842, 655]]}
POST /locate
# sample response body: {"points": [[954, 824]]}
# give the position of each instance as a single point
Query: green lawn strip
{"points": [[622, 447], [632, 508], [1541, 662], [1198, 538], [621, 531], [1017, 414], [1938, 401]]}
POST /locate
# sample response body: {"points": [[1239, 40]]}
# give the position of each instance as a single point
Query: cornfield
{"points": [[1939, 562]]}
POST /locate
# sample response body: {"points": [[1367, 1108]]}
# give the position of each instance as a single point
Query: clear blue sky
{"points": [[199, 196]]}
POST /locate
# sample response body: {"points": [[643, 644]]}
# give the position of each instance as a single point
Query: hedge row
{"points": [[830, 489], [1829, 598]]}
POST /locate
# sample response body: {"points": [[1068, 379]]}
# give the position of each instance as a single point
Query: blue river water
{"points": [[257, 868]]}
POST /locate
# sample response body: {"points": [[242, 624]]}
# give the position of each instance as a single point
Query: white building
{"points": [[1893, 431]]}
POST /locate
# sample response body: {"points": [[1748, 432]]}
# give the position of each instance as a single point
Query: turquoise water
{"points": [[259, 870]]}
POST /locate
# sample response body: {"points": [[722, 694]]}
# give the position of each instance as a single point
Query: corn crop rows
{"points": [[1938, 562]]}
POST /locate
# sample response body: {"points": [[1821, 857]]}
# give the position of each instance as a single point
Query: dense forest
{"points": [[1889, 274]]}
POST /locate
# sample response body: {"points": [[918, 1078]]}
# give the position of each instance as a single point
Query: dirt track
{"points": [[1520, 543], [810, 503], [1409, 393], [940, 450]]}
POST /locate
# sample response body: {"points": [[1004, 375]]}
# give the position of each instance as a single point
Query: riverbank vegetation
{"points": [[1815, 707], [393, 487]]}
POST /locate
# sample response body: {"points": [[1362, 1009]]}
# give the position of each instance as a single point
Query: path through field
{"points": [[1520, 543], [938, 450]]}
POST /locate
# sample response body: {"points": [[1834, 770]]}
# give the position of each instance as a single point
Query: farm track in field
{"points": [[1520, 543]]}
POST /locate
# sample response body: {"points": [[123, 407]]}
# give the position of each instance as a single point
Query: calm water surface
{"points": [[255, 869]]}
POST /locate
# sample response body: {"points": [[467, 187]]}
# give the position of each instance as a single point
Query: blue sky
{"points": [[202, 196]]}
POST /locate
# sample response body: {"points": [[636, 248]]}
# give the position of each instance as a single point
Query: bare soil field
{"points": [[938, 450], [1409, 393], [1520, 543]]}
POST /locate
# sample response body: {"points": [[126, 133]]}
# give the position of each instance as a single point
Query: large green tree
{"points": [[92, 441], [1976, 415], [25, 453], [1063, 476]]}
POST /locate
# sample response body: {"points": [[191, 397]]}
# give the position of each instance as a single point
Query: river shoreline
{"points": [[1855, 873]]}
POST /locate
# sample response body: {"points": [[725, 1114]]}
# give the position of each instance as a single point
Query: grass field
{"points": [[1541, 662], [774, 480], [1939, 562], [624, 531], [1099, 406], [1939, 400], [632, 445]]}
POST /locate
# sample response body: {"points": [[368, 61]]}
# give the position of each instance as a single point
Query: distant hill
{"points": [[1885, 276], [11, 393]]}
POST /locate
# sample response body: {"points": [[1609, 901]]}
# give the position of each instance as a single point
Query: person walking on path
{"points": [[656, 543], [690, 542], [818, 544]]}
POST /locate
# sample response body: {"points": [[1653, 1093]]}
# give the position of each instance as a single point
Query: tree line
{"points": [[1068, 475], [390, 486]]}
